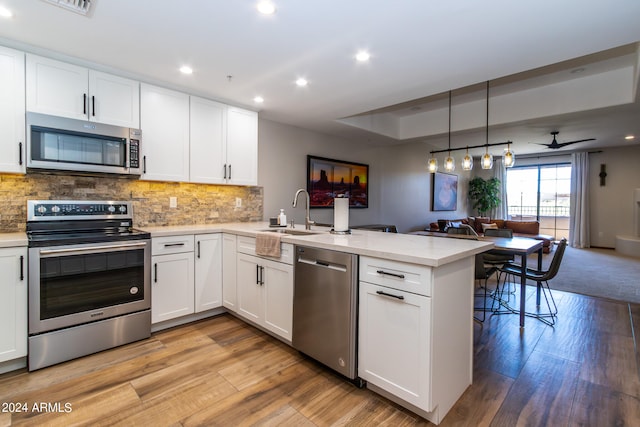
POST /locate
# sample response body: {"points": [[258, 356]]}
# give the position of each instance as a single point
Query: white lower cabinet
{"points": [[172, 286], [208, 271], [416, 332], [229, 269], [265, 293], [394, 344], [13, 303]]}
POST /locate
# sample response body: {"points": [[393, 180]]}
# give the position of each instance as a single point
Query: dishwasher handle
{"points": [[323, 264]]}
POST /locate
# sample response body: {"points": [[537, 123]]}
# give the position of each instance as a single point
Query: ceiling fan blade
{"points": [[564, 144]]}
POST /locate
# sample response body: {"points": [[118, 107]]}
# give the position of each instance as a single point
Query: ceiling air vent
{"points": [[81, 7]]}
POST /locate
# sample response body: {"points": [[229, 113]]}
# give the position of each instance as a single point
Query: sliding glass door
{"points": [[542, 193]]}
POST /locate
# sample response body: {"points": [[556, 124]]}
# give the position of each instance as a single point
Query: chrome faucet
{"points": [[307, 221]]}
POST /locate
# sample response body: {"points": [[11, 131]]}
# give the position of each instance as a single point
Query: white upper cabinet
{"points": [[164, 121], [67, 90], [242, 146], [208, 124], [12, 105], [224, 144]]}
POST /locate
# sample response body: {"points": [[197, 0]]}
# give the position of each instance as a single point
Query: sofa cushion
{"points": [[524, 227], [479, 221], [490, 225]]}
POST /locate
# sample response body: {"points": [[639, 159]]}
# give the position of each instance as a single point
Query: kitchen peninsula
{"points": [[415, 303]]}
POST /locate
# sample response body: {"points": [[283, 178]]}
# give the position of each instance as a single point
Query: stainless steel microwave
{"points": [[62, 144]]}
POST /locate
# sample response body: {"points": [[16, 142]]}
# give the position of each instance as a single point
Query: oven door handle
{"points": [[90, 249]]}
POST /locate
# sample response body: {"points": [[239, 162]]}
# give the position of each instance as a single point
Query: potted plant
{"points": [[484, 194]]}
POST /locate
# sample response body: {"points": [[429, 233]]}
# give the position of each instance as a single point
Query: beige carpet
{"points": [[596, 272]]}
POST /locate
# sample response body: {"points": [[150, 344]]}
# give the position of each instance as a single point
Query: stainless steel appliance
{"points": [[325, 308], [58, 143], [89, 279]]}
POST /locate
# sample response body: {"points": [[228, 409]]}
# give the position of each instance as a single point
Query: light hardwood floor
{"points": [[223, 372]]}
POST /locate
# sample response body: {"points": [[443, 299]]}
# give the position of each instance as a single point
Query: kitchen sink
{"points": [[293, 232]]}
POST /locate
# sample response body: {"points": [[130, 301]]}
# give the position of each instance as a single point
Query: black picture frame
{"points": [[444, 192], [328, 178]]}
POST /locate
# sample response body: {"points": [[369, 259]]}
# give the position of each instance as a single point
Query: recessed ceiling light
{"points": [[629, 137], [5, 13], [185, 69], [302, 82], [363, 56], [258, 100], [266, 8]]}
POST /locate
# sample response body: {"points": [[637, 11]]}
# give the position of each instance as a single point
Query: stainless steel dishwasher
{"points": [[325, 308]]}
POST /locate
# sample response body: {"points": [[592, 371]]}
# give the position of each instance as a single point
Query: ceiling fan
{"points": [[555, 144]]}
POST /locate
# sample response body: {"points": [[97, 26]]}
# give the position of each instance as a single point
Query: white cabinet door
{"points": [[13, 303], [208, 272], [114, 100], [394, 343], [242, 146], [164, 120], [249, 288], [56, 88], [229, 280], [278, 298], [208, 126], [12, 105], [172, 286]]}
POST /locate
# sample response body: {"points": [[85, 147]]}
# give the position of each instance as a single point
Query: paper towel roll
{"points": [[341, 214]]}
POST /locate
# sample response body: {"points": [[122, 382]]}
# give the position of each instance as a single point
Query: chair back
{"points": [[499, 232], [482, 272], [555, 262]]}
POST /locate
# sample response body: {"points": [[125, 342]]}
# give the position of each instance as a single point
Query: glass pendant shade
{"points": [[509, 158], [449, 164], [433, 165], [467, 162], [487, 160]]}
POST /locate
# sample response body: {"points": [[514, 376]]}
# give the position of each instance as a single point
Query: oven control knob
{"points": [[41, 209], [55, 209], [111, 208], [122, 208]]}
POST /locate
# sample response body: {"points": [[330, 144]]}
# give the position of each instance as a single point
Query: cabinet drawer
{"points": [[171, 245], [397, 275], [247, 245]]}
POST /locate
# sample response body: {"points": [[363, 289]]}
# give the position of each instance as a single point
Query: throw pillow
{"points": [[486, 226]]}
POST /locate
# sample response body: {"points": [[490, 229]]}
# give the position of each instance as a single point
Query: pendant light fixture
{"points": [[509, 158], [449, 163], [467, 161], [487, 158], [433, 164]]}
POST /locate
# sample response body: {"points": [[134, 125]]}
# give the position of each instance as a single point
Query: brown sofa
{"points": [[520, 228]]}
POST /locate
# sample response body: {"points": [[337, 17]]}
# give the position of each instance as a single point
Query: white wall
{"points": [[406, 188], [282, 170], [612, 204]]}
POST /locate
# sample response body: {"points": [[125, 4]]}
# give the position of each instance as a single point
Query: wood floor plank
{"points": [[542, 395], [597, 405]]}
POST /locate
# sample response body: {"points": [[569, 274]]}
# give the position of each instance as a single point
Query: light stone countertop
{"points": [[423, 250], [12, 240]]}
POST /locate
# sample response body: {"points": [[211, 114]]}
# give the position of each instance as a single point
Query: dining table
{"points": [[517, 246]]}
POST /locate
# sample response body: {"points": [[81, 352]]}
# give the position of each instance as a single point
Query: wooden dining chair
{"points": [[542, 277]]}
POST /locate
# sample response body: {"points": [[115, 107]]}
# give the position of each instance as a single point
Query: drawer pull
{"points": [[155, 273], [386, 273], [170, 245], [400, 297]]}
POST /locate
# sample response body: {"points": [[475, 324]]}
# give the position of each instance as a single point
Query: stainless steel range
{"points": [[89, 279]]}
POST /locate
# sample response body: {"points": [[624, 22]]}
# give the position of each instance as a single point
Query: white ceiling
{"points": [[419, 51]]}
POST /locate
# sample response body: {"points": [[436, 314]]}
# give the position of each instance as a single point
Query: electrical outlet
{"points": [[173, 202], [238, 202]]}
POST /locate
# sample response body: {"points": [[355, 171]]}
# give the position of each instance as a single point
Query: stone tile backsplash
{"points": [[197, 203]]}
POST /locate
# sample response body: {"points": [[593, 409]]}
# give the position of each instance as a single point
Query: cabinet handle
{"points": [[93, 105], [171, 245], [155, 273], [400, 297], [225, 171], [84, 104], [20, 153], [257, 274], [261, 275], [198, 249], [21, 267], [144, 164], [229, 172], [386, 273]]}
